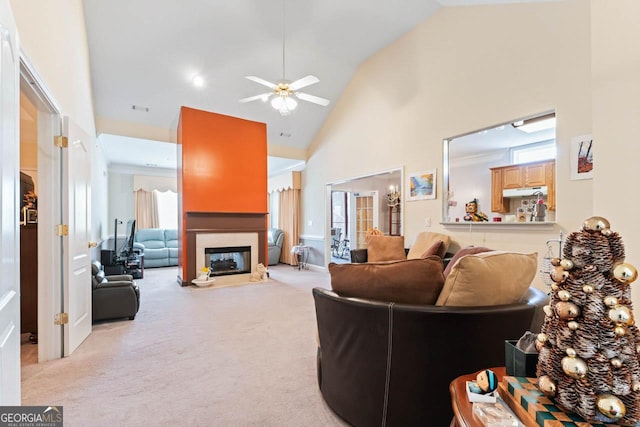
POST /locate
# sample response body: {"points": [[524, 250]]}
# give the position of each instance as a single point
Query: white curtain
{"points": [[146, 209]]}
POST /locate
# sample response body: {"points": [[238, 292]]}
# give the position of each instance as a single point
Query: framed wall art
{"points": [[582, 157], [421, 185]]}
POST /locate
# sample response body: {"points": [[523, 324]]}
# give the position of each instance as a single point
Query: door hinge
{"points": [[61, 318], [61, 141], [62, 230]]}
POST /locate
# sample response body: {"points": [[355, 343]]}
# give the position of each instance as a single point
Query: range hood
{"points": [[524, 192]]}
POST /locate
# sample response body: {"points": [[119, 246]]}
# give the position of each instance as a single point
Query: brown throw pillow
{"points": [[469, 250], [424, 240], [489, 278], [434, 249], [385, 248], [417, 281]]}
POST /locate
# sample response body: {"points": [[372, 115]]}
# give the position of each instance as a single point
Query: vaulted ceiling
{"points": [[145, 53]]}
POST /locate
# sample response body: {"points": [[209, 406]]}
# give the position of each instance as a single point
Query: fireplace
{"points": [[223, 261]]}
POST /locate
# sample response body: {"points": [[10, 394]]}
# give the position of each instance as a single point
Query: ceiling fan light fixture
{"points": [[284, 104]]}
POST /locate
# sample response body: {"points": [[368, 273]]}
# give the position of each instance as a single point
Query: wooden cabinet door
{"points": [[512, 177], [534, 175], [550, 182], [497, 201]]}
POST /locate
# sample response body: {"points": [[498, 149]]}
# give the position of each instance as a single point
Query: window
{"points": [[533, 152], [167, 209], [274, 209]]}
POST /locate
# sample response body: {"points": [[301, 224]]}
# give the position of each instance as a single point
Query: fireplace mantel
{"points": [[219, 222]]}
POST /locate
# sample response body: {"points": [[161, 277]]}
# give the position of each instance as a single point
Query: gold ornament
{"points": [[636, 386], [570, 352], [606, 231], [574, 367], [564, 295], [619, 330], [567, 310], [547, 386], [625, 273], [587, 289], [559, 274], [611, 407], [542, 337], [567, 264], [554, 287], [596, 223], [616, 363], [555, 262], [547, 310], [638, 348], [610, 301], [573, 325], [621, 314]]}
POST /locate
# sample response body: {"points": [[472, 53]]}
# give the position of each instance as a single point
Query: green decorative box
{"points": [[517, 362]]}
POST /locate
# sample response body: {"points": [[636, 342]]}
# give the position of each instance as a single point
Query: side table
{"points": [[462, 408]]}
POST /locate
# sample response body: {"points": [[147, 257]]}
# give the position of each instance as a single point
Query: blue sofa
{"points": [[160, 246]]}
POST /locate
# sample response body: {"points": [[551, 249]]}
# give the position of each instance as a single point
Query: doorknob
{"points": [[93, 244]]}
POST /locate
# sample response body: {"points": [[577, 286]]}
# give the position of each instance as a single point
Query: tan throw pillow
{"points": [[385, 248], [424, 240], [469, 250], [489, 278], [417, 281]]}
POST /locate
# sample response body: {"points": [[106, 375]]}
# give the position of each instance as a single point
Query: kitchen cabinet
{"points": [[497, 201], [520, 176], [512, 177]]}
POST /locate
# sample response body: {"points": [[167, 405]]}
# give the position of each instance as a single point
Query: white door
{"points": [[9, 208], [364, 215], [77, 260]]}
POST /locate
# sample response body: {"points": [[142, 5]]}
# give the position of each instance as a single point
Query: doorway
{"points": [[358, 204]]}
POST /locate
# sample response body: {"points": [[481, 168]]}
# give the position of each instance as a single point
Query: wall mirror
{"points": [[508, 171]]}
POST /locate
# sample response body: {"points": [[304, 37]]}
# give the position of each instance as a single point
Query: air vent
{"points": [[285, 134], [140, 108]]}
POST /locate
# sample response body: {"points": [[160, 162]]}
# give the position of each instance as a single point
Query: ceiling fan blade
{"points": [[304, 82], [263, 97], [262, 82], [312, 98]]}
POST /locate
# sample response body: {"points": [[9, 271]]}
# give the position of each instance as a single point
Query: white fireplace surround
{"points": [[222, 240]]}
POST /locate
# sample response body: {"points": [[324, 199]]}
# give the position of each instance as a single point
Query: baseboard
{"points": [[317, 268]]}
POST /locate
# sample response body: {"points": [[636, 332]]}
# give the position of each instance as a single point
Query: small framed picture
{"points": [[421, 185], [32, 216]]}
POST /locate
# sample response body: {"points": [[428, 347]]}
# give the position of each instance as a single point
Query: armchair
{"points": [[113, 296], [275, 238]]}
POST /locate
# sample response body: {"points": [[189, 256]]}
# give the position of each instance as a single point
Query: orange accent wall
{"points": [[222, 166]]}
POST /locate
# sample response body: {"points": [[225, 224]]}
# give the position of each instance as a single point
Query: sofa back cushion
{"points": [[275, 237], [417, 281], [489, 278], [171, 238], [426, 240], [151, 238], [385, 248]]}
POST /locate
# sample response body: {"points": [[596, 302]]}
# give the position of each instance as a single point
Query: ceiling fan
{"points": [[283, 92]]}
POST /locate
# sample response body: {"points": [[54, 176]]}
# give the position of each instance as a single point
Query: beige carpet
{"points": [[233, 356]]}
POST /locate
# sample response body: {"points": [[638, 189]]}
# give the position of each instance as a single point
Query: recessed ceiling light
{"points": [[197, 80]]}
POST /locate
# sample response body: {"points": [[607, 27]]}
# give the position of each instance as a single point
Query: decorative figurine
{"points": [[485, 383], [471, 209]]}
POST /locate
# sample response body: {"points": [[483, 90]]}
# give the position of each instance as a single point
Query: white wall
{"points": [[615, 66], [121, 203], [465, 68]]}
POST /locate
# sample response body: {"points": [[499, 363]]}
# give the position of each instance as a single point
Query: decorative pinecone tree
{"points": [[589, 344]]}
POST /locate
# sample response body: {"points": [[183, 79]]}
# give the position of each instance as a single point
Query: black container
{"points": [[517, 362]]}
